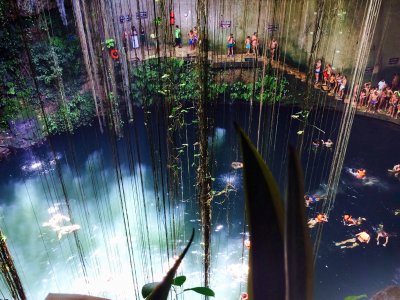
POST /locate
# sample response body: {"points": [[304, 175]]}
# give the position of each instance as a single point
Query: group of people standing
{"points": [[380, 98], [193, 37], [133, 38], [334, 83], [252, 45]]}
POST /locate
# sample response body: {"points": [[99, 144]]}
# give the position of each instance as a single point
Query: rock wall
{"points": [[292, 22]]}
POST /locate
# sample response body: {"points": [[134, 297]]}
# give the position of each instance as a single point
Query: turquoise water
{"points": [[110, 186]]}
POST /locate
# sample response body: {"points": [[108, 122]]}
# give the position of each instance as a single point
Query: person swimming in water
{"points": [[311, 199], [67, 229], [349, 221], [320, 218], [359, 173], [395, 170], [244, 296], [315, 143], [361, 237], [236, 165], [55, 221], [328, 143], [381, 233]]}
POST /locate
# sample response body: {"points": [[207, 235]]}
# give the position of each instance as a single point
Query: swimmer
{"points": [[349, 221], [320, 218], [359, 173], [67, 229], [381, 233], [244, 296], [328, 143], [362, 237], [395, 170], [55, 221], [315, 143], [397, 212], [236, 165], [310, 199]]}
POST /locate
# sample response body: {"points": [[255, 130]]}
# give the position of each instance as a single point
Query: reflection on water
{"points": [[41, 232], [121, 242]]}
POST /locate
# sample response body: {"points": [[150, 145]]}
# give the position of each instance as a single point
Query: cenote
{"points": [[187, 150], [31, 194]]}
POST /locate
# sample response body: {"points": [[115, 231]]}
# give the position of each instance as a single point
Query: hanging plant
{"points": [[110, 43], [114, 54], [158, 21]]}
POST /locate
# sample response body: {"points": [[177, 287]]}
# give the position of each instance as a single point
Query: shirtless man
{"points": [[332, 84], [362, 237], [230, 44], [328, 143], [381, 233], [254, 43], [373, 100], [320, 218], [349, 221], [272, 48], [393, 102]]}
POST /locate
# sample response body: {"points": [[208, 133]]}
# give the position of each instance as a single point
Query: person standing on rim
{"points": [[178, 37], [231, 43], [134, 38], [142, 36], [254, 43]]}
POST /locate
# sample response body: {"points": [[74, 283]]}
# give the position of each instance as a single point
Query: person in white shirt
{"points": [[381, 84]]}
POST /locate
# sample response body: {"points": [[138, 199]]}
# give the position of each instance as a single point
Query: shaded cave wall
{"points": [[295, 21]]}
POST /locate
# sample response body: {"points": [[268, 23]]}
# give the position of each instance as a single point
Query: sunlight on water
{"points": [[40, 234]]}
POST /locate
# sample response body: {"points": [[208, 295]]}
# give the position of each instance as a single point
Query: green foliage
{"points": [[175, 78], [151, 81], [202, 291], [148, 288], [272, 88], [48, 67], [15, 91], [161, 290], [178, 281], [110, 43], [276, 271], [79, 111], [158, 21], [356, 297]]}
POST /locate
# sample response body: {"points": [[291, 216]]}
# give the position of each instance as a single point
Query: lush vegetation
{"points": [[26, 51], [175, 78], [15, 91], [79, 111]]}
